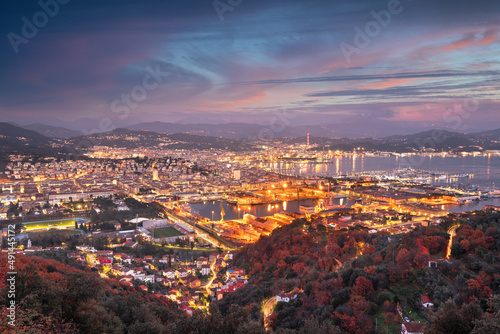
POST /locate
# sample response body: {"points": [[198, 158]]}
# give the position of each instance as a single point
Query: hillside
{"points": [[438, 140], [137, 139], [14, 139], [57, 298], [489, 135], [281, 122], [352, 282], [52, 131]]}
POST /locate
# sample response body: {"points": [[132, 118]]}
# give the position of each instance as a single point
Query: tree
{"points": [[403, 255], [19, 228], [321, 228], [448, 320], [457, 249], [490, 321], [363, 287]]}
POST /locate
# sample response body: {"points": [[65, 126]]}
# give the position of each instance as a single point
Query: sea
{"points": [[485, 171]]}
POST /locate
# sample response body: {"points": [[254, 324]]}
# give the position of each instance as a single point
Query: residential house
{"points": [[184, 307], [169, 273], [105, 253], [285, 297], [205, 270], [181, 273], [426, 301], [412, 328], [73, 255], [105, 261], [201, 261]]}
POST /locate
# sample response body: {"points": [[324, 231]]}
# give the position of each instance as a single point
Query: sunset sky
{"points": [[245, 60]]}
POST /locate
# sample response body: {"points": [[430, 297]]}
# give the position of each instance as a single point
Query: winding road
{"points": [[267, 310]]}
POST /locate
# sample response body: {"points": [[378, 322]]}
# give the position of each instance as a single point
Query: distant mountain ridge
{"points": [[280, 130], [14, 139], [140, 138], [276, 129], [234, 137], [52, 131]]}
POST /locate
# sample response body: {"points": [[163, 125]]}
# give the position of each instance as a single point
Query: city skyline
{"points": [[403, 64]]}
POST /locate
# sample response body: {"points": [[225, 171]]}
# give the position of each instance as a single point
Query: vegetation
{"points": [[346, 282]]}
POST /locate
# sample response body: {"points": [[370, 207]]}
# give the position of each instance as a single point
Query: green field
{"points": [[48, 224], [165, 232], [60, 232]]}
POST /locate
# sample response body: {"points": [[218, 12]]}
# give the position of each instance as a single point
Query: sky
{"points": [[413, 64]]}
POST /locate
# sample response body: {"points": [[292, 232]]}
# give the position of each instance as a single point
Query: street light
{"points": [[212, 215]]}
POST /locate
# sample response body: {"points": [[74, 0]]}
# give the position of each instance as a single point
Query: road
{"points": [[214, 275], [452, 232], [267, 310]]}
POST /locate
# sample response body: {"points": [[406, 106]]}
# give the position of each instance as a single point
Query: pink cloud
{"points": [[387, 83]]}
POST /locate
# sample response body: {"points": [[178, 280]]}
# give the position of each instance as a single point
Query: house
{"points": [[105, 261], [215, 284], [181, 273], [201, 261], [169, 282], [126, 259], [285, 297], [169, 273], [118, 270], [184, 307], [205, 269], [172, 294], [218, 264], [166, 258], [105, 253], [73, 255], [412, 328], [426, 301], [195, 283], [149, 278], [127, 284], [143, 288]]}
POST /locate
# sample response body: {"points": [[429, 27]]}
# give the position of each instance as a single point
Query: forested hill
{"points": [[352, 281], [346, 281], [56, 298]]}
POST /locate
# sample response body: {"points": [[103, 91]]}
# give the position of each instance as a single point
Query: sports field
{"points": [[165, 232], [67, 232], [52, 224]]}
